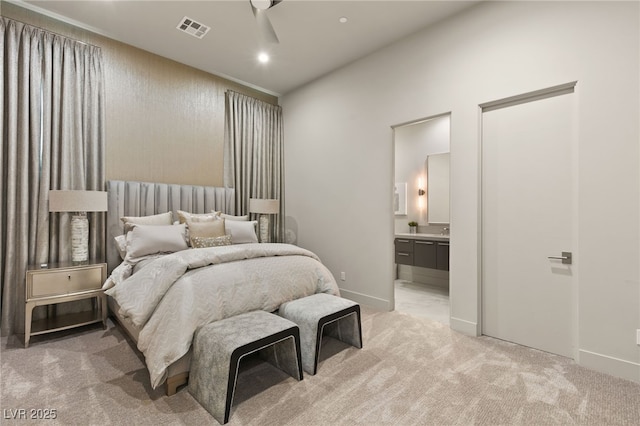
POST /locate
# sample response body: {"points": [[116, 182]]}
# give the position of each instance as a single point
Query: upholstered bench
{"points": [[219, 346], [313, 313]]}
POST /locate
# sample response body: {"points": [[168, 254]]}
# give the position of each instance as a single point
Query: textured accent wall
{"points": [[165, 120]]}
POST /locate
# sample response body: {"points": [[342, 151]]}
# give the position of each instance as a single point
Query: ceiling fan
{"points": [[259, 8]]}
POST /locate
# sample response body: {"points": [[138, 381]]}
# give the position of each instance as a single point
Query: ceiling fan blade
{"points": [[264, 25]]}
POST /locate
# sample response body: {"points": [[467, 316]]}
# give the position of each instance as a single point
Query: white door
{"points": [[527, 217]]}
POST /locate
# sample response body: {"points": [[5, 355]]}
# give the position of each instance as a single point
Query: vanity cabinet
{"points": [[442, 257], [423, 253], [404, 251]]}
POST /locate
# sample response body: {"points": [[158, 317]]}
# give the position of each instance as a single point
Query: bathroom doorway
{"points": [[421, 198]]}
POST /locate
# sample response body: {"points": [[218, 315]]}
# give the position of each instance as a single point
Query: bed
{"points": [[161, 299]]}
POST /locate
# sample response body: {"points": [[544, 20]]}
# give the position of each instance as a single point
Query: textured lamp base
{"points": [[79, 238], [264, 228]]}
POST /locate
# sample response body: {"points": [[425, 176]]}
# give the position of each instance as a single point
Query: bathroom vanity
{"points": [[423, 250], [422, 259]]}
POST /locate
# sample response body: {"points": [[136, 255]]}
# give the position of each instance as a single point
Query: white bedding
{"points": [[173, 295]]}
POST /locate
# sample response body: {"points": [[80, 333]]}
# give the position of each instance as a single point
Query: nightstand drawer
{"points": [[54, 283]]}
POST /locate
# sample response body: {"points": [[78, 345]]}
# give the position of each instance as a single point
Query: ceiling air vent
{"points": [[192, 27]]}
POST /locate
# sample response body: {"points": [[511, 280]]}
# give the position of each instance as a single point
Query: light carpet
{"points": [[411, 371]]}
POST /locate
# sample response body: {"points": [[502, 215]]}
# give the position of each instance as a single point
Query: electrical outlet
{"points": [[638, 337], [343, 276]]}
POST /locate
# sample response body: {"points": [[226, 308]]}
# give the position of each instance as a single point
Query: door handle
{"points": [[566, 257]]}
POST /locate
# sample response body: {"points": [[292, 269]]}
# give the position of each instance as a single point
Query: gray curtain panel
{"points": [[254, 154], [52, 126]]}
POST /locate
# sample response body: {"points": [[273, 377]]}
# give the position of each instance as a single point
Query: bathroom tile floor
{"points": [[422, 300]]}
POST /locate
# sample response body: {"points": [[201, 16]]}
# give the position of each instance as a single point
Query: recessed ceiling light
{"points": [[263, 58], [343, 19]]}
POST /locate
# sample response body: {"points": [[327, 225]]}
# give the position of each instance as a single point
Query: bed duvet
{"points": [[172, 296]]}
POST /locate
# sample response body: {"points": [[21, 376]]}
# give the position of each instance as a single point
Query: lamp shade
{"points": [[77, 201], [263, 206]]}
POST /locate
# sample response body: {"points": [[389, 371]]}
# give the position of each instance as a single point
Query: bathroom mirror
{"points": [[437, 171]]}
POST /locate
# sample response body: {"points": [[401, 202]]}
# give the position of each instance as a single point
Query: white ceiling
{"points": [[312, 40]]}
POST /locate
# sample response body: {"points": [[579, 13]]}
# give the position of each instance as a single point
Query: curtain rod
{"points": [[53, 32]]}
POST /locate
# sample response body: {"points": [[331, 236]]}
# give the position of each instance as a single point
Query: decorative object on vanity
{"points": [[340, 316], [264, 207], [63, 282], [78, 202], [413, 227], [219, 346]]}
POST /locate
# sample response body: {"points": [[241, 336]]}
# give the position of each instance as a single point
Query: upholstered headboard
{"points": [[126, 198]]}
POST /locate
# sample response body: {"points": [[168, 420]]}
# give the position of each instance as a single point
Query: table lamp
{"points": [[78, 202], [264, 207]]}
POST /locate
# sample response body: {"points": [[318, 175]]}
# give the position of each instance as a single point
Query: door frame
{"points": [[449, 113], [548, 92]]}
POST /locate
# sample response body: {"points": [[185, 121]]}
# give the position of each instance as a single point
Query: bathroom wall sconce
{"points": [[421, 191]]}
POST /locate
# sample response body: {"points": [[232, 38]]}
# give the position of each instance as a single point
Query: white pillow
{"points": [[241, 231], [156, 219], [231, 217], [121, 245], [144, 240]]}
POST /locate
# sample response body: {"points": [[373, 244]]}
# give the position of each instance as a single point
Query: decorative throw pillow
{"points": [[197, 217], [201, 242], [210, 229], [156, 219], [144, 240], [241, 231]]}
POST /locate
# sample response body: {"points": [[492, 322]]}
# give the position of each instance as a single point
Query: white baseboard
{"points": [[610, 365], [363, 299], [463, 326]]}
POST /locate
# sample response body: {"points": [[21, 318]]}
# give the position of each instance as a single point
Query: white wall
{"points": [[413, 143], [339, 155]]}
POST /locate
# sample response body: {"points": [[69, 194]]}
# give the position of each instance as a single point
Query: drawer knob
{"points": [[69, 276]]}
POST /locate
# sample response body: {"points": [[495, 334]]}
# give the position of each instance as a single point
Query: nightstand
{"points": [[64, 282]]}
